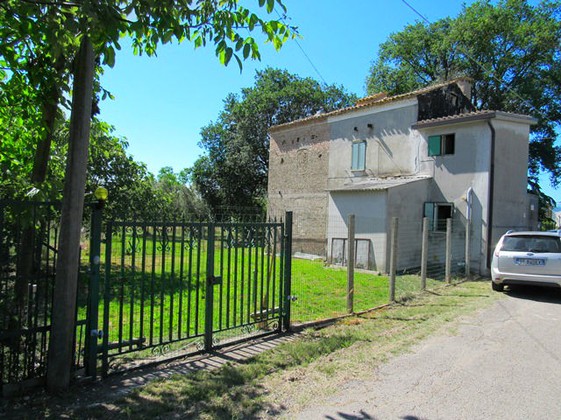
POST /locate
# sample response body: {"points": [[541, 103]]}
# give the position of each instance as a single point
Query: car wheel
{"points": [[497, 287]]}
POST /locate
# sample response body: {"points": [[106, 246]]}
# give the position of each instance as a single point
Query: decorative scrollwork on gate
{"points": [[134, 235], [161, 350]]}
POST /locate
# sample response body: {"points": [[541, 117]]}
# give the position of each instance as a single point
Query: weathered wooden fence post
{"points": [[468, 251], [351, 264], [448, 269], [424, 253], [393, 257]]}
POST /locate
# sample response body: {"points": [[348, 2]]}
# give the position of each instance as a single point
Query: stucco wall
{"points": [[406, 203], [390, 151], [298, 168], [511, 208], [454, 174], [370, 210]]}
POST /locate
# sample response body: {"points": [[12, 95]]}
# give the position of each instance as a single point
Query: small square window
{"points": [[442, 145], [437, 214]]}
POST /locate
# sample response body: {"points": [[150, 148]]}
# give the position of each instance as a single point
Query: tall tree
{"points": [[510, 48], [76, 33], [233, 172]]}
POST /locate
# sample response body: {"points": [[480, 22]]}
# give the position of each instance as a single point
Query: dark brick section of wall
{"points": [[298, 171]]}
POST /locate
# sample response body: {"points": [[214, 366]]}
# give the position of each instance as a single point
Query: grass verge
{"points": [[294, 374]]}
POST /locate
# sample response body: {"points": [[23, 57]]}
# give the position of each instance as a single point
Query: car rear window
{"points": [[528, 243]]}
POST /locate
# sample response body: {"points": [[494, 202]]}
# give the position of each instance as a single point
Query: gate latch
{"points": [[214, 280], [292, 298], [96, 333]]}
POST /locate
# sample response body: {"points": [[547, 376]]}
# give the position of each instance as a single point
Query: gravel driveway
{"points": [[503, 363]]}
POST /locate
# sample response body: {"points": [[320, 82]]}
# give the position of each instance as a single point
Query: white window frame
{"points": [[358, 155]]}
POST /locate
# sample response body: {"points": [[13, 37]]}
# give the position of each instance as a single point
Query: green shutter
{"points": [[435, 146]]}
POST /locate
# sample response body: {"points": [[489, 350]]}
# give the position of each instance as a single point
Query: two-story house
{"points": [[426, 153]]}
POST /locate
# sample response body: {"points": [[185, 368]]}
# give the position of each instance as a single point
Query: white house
{"points": [[422, 154]]}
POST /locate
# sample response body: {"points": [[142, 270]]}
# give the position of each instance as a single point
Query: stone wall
{"points": [[298, 173]]}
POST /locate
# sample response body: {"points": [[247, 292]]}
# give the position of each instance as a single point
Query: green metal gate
{"points": [[161, 287]]}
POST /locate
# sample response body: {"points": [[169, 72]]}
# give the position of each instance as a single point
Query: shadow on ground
{"points": [[539, 294]]}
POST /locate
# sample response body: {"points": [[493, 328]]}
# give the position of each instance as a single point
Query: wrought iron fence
{"points": [[189, 286], [29, 236], [144, 289]]}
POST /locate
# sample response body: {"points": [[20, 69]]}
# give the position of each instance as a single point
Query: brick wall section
{"points": [[298, 172]]}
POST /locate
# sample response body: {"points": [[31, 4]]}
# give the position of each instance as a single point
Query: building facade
{"points": [[422, 154]]}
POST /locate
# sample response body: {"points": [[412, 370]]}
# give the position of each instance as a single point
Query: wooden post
{"points": [[351, 264], [393, 257], [61, 342], [448, 274], [468, 251], [424, 253]]}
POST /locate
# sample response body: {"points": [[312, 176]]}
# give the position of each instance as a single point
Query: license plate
{"points": [[529, 261]]}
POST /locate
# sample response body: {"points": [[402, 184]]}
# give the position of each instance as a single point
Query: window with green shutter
{"points": [[437, 213], [442, 145], [434, 145]]}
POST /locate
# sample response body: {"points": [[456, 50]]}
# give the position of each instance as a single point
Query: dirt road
{"points": [[504, 363]]}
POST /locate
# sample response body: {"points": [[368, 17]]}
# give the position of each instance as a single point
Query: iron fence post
{"points": [[287, 270], [92, 332], [209, 294]]}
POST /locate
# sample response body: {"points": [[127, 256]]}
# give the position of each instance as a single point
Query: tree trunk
{"points": [[61, 342]]}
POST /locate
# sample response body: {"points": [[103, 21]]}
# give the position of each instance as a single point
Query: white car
{"points": [[528, 258]]}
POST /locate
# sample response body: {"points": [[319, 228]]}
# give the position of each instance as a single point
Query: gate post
{"points": [[287, 270], [209, 294], [92, 332]]}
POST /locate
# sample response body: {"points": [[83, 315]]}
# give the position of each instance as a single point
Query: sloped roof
{"points": [[474, 116], [378, 99], [378, 184]]}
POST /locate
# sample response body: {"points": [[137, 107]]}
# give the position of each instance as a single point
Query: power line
{"points": [[482, 67], [416, 11], [282, 18]]}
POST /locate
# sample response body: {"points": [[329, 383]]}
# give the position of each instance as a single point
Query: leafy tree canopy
{"points": [[512, 51], [233, 172]]}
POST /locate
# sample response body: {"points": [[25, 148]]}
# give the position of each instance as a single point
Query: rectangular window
{"points": [[442, 145], [359, 156], [437, 214]]}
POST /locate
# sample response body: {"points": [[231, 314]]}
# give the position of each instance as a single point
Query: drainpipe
{"points": [[491, 193]]}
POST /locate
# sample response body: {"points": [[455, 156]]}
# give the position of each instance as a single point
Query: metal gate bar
{"points": [[154, 274]]}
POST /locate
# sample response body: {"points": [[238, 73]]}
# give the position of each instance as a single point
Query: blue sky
{"points": [[161, 103]]}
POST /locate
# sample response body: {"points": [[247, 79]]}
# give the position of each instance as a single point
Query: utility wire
{"points": [[485, 70], [282, 18]]}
